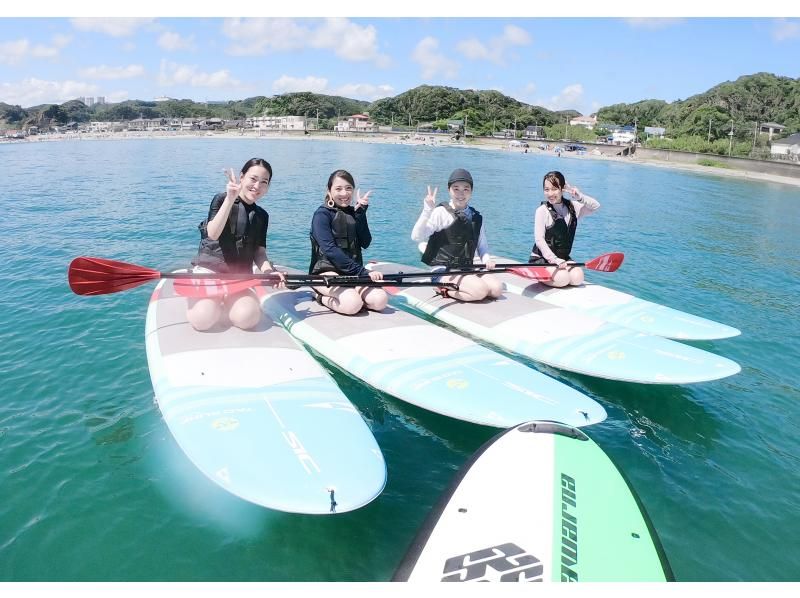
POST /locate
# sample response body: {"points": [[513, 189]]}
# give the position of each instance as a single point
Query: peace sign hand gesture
{"points": [[362, 200], [234, 186], [430, 198]]}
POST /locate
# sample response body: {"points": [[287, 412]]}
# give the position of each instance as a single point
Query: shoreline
{"points": [[411, 139]]}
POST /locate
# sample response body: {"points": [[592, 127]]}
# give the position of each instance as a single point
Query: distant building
{"points": [[771, 128], [789, 146], [90, 101], [610, 127], [533, 132], [358, 123], [655, 132], [163, 99], [278, 123], [584, 121]]}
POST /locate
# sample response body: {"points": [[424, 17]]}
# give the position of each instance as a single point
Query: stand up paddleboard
{"points": [[564, 338], [619, 308], [258, 415], [428, 366], [539, 502]]}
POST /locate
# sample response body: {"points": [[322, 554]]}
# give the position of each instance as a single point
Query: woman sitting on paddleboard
{"points": [[451, 234], [232, 239], [339, 232], [555, 222]]}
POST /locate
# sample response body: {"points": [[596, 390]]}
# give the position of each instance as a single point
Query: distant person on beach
{"points": [[233, 238], [339, 231], [555, 223], [450, 234]]}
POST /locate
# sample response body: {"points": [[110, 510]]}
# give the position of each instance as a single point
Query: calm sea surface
{"points": [[94, 488]]}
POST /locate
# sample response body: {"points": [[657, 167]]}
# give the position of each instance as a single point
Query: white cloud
{"points": [[117, 96], [171, 41], [495, 49], [433, 62], [113, 26], [346, 39], [364, 91], [359, 91], [31, 92], [287, 84], [181, 74], [653, 23], [113, 72], [569, 98], [15, 52], [785, 29]]}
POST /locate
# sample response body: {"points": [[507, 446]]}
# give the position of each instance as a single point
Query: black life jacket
{"points": [[343, 228], [558, 236], [454, 246], [235, 248]]}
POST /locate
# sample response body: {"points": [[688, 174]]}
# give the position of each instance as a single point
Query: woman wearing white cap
{"points": [[452, 233]]}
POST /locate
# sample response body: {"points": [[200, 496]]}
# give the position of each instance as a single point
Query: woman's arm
{"points": [[362, 227]]}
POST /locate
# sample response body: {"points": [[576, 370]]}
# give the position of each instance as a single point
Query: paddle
{"points": [[608, 262], [100, 276]]}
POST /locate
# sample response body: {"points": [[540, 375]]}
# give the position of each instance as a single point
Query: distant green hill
{"points": [[706, 117]]}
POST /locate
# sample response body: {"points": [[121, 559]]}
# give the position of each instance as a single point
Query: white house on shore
{"points": [[789, 146], [282, 123], [358, 123], [584, 121]]}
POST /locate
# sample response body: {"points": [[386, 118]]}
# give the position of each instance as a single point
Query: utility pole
{"points": [[709, 131], [755, 134], [730, 140]]}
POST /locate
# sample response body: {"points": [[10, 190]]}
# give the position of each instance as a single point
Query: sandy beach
{"points": [[434, 140]]}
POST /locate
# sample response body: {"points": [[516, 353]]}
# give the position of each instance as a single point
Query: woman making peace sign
{"points": [[232, 239]]}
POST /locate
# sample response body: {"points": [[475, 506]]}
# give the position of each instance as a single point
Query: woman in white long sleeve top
{"points": [[452, 233], [555, 223]]}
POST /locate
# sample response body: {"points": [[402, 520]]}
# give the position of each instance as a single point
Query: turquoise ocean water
{"points": [[94, 487]]}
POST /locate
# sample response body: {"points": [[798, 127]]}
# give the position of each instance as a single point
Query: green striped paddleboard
{"points": [[539, 502]]}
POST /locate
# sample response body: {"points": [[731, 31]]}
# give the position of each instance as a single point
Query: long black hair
{"points": [[256, 162]]}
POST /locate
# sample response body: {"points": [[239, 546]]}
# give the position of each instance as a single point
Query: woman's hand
{"points": [[234, 186], [362, 200], [430, 198], [489, 265], [574, 192], [375, 276], [268, 268]]}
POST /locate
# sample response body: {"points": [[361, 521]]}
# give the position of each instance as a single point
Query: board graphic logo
{"points": [[506, 562]]}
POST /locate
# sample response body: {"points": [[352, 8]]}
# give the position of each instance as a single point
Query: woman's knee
{"points": [[375, 299], [576, 276], [560, 278], [203, 313], [346, 302], [472, 288], [493, 285], [244, 311]]}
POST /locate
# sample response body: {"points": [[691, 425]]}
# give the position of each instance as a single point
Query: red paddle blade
{"points": [[606, 263], [199, 288], [532, 272], [99, 276]]}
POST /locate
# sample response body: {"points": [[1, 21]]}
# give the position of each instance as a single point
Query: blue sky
{"points": [[582, 63]]}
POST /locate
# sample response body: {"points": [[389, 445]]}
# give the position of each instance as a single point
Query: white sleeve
{"points": [[430, 221], [586, 205]]}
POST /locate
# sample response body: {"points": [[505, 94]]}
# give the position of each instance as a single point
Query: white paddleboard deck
{"points": [[258, 415], [428, 366], [620, 308], [539, 503], [565, 338]]}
